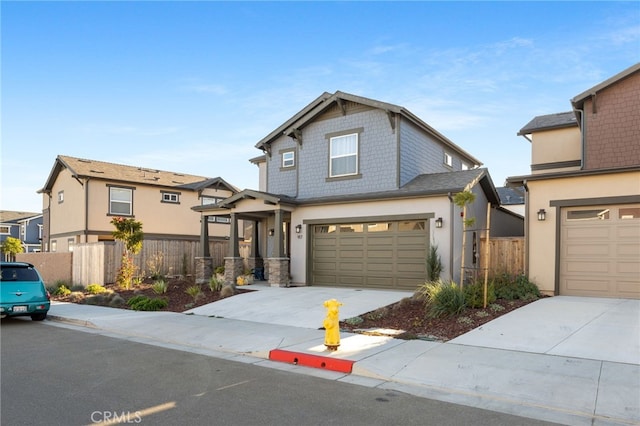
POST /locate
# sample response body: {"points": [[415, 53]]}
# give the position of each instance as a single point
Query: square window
{"points": [[288, 159], [120, 201], [343, 153]]}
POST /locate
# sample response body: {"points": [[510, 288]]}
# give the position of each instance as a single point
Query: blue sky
{"points": [[191, 87]]}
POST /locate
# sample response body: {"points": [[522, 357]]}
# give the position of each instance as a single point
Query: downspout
{"points": [[86, 209], [451, 235], [527, 218], [582, 138]]}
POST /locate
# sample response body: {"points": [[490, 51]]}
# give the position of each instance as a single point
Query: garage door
{"points": [[600, 251], [386, 255]]}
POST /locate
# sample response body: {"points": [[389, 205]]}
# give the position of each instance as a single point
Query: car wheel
{"points": [[38, 317]]}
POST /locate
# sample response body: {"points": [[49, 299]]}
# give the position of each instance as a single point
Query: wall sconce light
{"points": [[439, 222], [298, 229], [271, 231], [542, 215]]}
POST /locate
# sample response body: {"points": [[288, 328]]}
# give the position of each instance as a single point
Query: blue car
{"points": [[22, 291]]}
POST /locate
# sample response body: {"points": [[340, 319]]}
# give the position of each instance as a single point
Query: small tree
{"points": [[129, 231], [10, 247], [434, 263], [462, 199]]}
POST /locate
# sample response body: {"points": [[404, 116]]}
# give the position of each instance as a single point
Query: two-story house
{"points": [[583, 193], [24, 226], [353, 192], [81, 197]]}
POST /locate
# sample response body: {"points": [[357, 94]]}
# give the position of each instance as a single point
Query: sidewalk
{"points": [[545, 381]]}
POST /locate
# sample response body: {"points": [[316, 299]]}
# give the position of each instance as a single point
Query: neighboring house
{"points": [[353, 192], [81, 197], [512, 199], [25, 226], [583, 200]]}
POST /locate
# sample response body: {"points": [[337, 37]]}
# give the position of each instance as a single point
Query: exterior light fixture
{"points": [[439, 222], [298, 228], [542, 215], [271, 231]]}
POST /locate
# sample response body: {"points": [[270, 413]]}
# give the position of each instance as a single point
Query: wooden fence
{"points": [[99, 262], [506, 255]]}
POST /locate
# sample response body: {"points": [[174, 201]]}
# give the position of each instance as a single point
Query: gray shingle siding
{"points": [[279, 181], [420, 154]]}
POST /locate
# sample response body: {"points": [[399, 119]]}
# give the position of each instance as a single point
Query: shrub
{"points": [[510, 287], [219, 270], [95, 289], [144, 303], [474, 294], [62, 291], [159, 287], [434, 263], [443, 298], [215, 284], [194, 291]]}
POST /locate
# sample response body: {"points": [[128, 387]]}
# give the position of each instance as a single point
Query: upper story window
{"points": [[210, 200], [60, 196], [288, 159], [170, 197], [343, 155], [5, 230], [120, 201], [464, 166], [23, 230], [448, 159]]}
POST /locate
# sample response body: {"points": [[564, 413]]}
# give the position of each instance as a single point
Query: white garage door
{"points": [[600, 251], [389, 255]]}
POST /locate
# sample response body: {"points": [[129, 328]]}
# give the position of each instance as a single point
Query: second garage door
{"points": [[600, 251], [385, 255]]}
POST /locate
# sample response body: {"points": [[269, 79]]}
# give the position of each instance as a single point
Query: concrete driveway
{"points": [[581, 327]]}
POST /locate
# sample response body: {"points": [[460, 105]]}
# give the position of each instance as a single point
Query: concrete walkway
{"points": [[568, 360]]}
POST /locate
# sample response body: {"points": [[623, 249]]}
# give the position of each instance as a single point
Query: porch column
{"points": [[204, 263], [233, 264], [278, 264]]}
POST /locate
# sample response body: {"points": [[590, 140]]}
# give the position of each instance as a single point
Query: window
{"points": [[464, 166], [288, 159], [379, 227], [54, 245], [120, 201], [629, 213], [60, 197], [5, 230], [211, 200], [588, 214], [448, 159], [23, 231], [412, 225], [170, 197], [71, 242], [219, 219], [343, 153], [355, 227]]}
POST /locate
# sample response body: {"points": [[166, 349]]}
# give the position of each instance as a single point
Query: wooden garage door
{"points": [[600, 251], [386, 255]]}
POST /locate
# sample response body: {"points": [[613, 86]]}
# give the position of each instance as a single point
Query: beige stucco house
{"points": [[353, 192], [583, 193], [81, 197]]}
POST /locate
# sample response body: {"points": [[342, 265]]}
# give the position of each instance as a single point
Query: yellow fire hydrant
{"points": [[332, 324]]}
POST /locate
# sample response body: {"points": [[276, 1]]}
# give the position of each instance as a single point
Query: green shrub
{"points": [[95, 289], [144, 303], [215, 284], [510, 287], [194, 291], [159, 287], [434, 263], [443, 298], [474, 294], [62, 291]]}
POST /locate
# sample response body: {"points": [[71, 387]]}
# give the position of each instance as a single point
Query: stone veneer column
{"points": [[233, 268], [278, 271], [204, 269]]}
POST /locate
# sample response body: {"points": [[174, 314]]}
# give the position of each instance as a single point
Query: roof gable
{"points": [[295, 124], [579, 100], [549, 122], [7, 216]]}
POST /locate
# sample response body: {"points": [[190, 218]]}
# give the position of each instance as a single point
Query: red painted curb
{"points": [[315, 361]]}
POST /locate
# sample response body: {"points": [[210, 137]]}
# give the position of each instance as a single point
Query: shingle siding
{"points": [[613, 130], [421, 154]]}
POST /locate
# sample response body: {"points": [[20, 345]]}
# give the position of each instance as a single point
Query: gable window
{"points": [[464, 166], [60, 197], [343, 155], [120, 201], [448, 159], [170, 197], [288, 159]]}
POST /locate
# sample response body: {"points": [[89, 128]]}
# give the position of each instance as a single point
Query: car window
{"points": [[18, 274]]}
